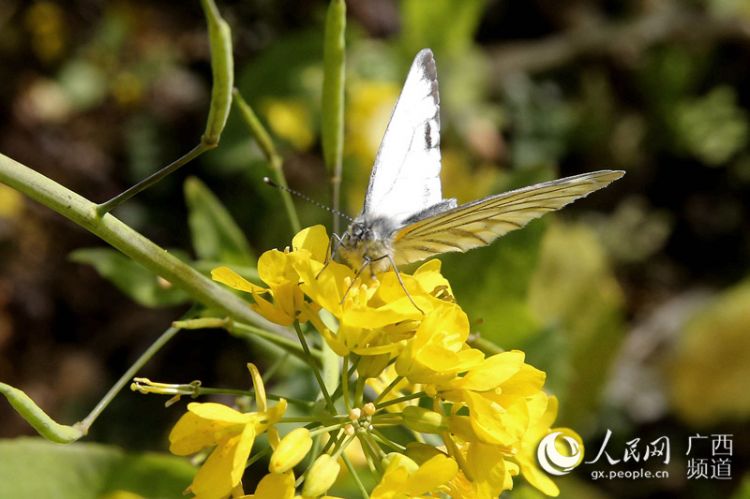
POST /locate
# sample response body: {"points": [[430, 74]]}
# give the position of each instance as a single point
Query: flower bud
{"points": [[398, 460], [321, 476], [369, 409], [290, 451], [424, 420]]}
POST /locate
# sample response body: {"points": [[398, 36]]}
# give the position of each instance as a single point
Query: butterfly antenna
{"points": [[306, 198]]}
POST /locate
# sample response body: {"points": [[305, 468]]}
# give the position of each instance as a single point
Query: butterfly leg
{"points": [[334, 243], [365, 263], [400, 281]]}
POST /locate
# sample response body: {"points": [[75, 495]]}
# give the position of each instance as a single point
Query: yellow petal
{"points": [[313, 239], [430, 279], [258, 386], [432, 474], [229, 277], [492, 372], [275, 486], [274, 268], [219, 412], [191, 434], [487, 467], [223, 469]]}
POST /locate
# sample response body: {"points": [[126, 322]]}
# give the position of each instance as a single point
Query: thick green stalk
{"points": [[131, 243], [334, 69]]}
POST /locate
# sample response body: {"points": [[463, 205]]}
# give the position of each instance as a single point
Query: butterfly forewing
{"points": [[480, 222], [405, 178]]}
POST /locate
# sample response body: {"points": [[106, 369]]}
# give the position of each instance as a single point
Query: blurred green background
{"points": [[635, 301]]}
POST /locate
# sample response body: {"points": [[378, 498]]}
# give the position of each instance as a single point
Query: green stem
{"points": [[388, 388], [272, 156], [106, 207], [377, 435], [289, 345], [249, 393], [131, 243], [355, 476], [332, 127], [345, 383], [359, 391], [405, 398], [485, 345], [326, 429], [316, 371], [127, 376], [257, 457]]}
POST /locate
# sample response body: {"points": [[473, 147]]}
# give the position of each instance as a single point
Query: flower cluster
{"points": [[403, 343]]}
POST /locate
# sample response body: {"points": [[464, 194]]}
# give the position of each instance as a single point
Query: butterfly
{"points": [[405, 218]]}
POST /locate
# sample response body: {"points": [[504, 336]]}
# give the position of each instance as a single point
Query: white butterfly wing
{"points": [[480, 222], [405, 178]]}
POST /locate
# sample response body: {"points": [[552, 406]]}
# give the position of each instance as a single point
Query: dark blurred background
{"points": [[636, 300]]}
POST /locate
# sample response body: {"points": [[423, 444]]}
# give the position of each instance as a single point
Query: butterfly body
{"points": [[405, 218]]}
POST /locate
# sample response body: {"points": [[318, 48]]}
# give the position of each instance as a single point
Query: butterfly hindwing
{"points": [[480, 222], [405, 178]]}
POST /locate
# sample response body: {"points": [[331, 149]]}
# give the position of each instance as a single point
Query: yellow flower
{"points": [[496, 392], [438, 351], [404, 479], [489, 471], [231, 434], [275, 268], [542, 413]]}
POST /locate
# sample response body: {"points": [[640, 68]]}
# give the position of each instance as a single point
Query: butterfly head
{"points": [[368, 239]]}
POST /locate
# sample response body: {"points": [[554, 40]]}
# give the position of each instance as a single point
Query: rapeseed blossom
{"points": [[406, 361]]}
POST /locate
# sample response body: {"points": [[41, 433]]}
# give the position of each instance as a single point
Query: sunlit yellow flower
{"points": [[275, 268], [490, 412], [542, 413], [438, 350], [231, 433], [496, 392], [488, 471], [404, 479]]}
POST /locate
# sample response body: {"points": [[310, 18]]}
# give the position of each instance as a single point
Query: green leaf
{"points": [[141, 285], [34, 468], [216, 236]]}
